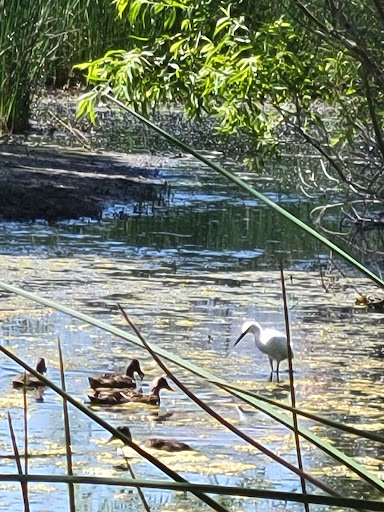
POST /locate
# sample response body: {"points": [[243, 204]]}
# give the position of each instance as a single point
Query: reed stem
{"points": [[292, 386], [68, 450]]}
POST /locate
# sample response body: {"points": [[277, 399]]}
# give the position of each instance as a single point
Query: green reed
{"points": [[40, 39], [31, 33], [292, 385]]}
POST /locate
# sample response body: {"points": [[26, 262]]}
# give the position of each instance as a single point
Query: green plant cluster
{"points": [[39, 43], [271, 71]]}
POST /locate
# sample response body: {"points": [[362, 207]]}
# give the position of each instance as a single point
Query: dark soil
{"points": [[54, 183]]}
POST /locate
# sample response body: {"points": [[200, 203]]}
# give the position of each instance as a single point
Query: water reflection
{"points": [[198, 315], [238, 238], [188, 277]]}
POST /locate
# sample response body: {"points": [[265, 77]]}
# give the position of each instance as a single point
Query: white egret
{"points": [[269, 341]]}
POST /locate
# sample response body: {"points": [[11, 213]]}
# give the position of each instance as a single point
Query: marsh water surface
{"points": [[188, 276]]}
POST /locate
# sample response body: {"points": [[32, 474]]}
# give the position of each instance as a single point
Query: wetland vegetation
{"points": [[294, 89]]}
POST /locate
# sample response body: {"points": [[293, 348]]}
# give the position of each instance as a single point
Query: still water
{"points": [[188, 276]]}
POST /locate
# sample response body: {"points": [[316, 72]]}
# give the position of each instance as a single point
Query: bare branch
{"points": [[355, 48], [371, 106]]}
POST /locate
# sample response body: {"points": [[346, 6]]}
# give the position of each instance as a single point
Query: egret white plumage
{"points": [[269, 341]]}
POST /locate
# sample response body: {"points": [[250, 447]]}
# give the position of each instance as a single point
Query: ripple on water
{"points": [[188, 279]]}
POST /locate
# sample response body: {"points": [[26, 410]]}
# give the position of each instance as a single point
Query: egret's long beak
{"points": [[240, 337]]}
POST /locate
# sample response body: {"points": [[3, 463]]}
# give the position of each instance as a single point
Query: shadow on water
{"points": [[222, 236]]}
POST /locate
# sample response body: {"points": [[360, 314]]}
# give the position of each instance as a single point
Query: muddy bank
{"points": [[55, 183]]}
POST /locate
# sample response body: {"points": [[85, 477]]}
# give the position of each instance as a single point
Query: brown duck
{"points": [[28, 380], [115, 380], [123, 396], [153, 398], [168, 445], [108, 397]]}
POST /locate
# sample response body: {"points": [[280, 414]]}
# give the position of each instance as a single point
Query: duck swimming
{"points": [[168, 445], [28, 380], [123, 396], [110, 397], [115, 380], [153, 398]]}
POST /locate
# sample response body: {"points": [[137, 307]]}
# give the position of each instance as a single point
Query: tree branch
{"points": [[354, 47], [356, 187], [372, 113], [380, 10]]}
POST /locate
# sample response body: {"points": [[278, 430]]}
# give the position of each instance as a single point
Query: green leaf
{"points": [[221, 25]]}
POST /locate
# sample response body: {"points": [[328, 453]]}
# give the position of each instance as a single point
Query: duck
{"points": [[157, 443], [115, 380], [108, 397], [28, 380], [153, 398], [122, 396], [167, 445]]}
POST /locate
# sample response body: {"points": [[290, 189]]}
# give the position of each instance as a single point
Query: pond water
{"points": [[188, 276]]}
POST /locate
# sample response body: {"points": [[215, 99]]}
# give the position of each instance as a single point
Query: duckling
{"points": [[28, 380], [168, 445], [114, 380]]}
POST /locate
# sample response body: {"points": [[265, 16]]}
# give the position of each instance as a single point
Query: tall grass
{"points": [[31, 33], [92, 29], [40, 38]]}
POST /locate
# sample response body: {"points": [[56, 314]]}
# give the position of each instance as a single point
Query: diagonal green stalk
{"points": [[150, 458], [24, 485], [224, 422], [226, 490], [312, 438], [68, 450], [325, 421], [245, 186], [292, 385]]}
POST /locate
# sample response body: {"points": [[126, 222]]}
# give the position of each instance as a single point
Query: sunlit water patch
{"points": [[188, 276], [197, 314]]}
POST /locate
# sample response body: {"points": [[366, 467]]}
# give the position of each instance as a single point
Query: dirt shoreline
{"points": [[55, 183]]}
